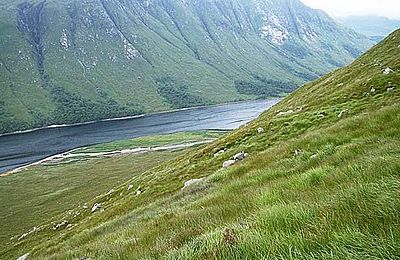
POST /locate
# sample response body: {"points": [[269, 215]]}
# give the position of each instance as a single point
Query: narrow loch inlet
{"points": [[25, 148]]}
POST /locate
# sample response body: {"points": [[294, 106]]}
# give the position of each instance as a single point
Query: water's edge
{"points": [[23, 148], [128, 117]]}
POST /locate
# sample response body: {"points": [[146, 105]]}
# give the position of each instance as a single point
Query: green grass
{"points": [[191, 54], [343, 204], [338, 198], [44, 191]]}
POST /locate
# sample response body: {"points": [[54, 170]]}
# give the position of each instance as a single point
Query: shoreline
{"points": [[137, 150], [129, 117]]}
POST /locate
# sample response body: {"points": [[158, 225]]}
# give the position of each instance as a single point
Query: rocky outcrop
{"points": [[96, 207], [236, 158], [387, 71], [31, 22], [228, 163], [343, 113], [240, 156], [192, 182]]}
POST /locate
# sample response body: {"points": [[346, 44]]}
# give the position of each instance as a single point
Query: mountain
{"points": [[376, 27], [321, 181], [72, 61]]}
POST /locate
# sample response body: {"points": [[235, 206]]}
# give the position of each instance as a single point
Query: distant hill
{"points": [[74, 61], [375, 27]]}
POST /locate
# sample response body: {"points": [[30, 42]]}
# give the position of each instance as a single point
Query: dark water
{"points": [[25, 148]]}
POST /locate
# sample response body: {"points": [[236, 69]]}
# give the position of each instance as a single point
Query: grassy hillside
{"points": [[322, 182], [44, 191], [74, 61]]}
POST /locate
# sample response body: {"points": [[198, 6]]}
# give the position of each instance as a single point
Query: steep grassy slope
{"points": [[336, 197], [73, 61]]}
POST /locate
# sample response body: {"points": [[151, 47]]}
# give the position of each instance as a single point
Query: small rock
{"points": [[260, 130], [390, 90], [313, 156], [139, 191], [373, 90], [191, 182], [69, 226], [240, 156], [23, 236], [340, 84], [95, 207], [110, 192], [228, 163], [343, 113], [219, 153], [285, 113], [322, 114], [60, 225], [85, 206], [387, 71], [297, 152], [24, 257], [130, 187]]}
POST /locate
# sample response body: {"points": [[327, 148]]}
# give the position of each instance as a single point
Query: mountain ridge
{"points": [[375, 27], [80, 61]]}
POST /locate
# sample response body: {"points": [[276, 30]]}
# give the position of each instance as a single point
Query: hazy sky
{"points": [[389, 8]]}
